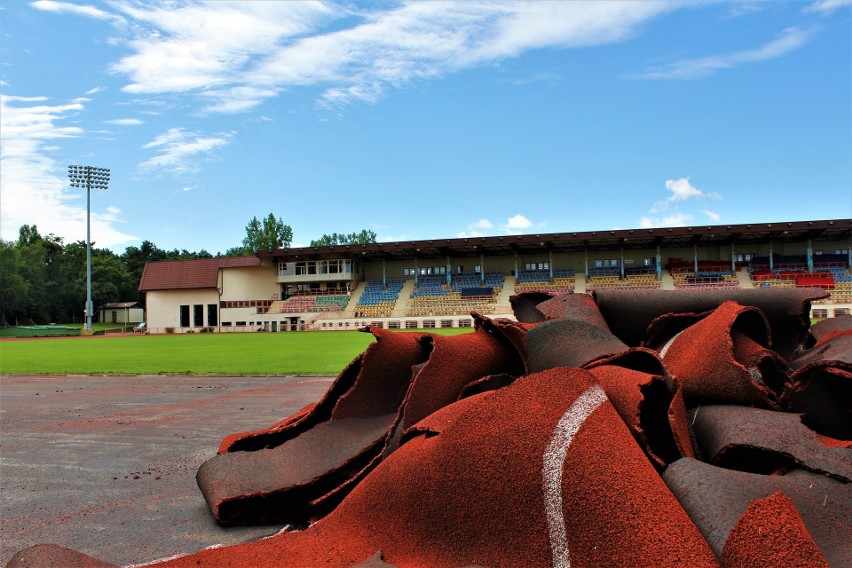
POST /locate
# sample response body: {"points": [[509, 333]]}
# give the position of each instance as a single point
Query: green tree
{"points": [[28, 235], [69, 295], [111, 281], [233, 251], [269, 234], [364, 237], [14, 290], [135, 258]]}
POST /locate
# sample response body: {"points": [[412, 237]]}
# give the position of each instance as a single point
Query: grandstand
{"points": [[438, 283]]}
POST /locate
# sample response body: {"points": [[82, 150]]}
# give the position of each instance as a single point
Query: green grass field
{"points": [[312, 353]]}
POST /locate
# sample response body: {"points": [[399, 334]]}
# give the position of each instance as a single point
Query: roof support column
{"points": [[449, 270], [733, 260], [515, 254], [771, 262], [550, 263], [621, 263], [695, 258], [384, 276], [659, 264], [810, 257], [416, 272], [586, 257], [482, 268]]}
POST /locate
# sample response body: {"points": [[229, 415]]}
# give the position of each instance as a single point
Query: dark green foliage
{"points": [[43, 280], [269, 234], [364, 237]]}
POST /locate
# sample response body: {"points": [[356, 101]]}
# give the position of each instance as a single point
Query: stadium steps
{"points": [[579, 283], [275, 307], [400, 309], [503, 306], [666, 280], [349, 311], [744, 279]]}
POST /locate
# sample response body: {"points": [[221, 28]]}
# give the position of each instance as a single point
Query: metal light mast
{"points": [[90, 178]]}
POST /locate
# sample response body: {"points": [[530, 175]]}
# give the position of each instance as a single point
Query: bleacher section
{"points": [[791, 271], [540, 281], [642, 278], [465, 292], [379, 298], [709, 274], [311, 303]]}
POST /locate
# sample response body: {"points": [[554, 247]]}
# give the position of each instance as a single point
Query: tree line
{"points": [[43, 279]]}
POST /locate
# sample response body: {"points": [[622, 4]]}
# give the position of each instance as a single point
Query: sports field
{"points": [[311, 353]]}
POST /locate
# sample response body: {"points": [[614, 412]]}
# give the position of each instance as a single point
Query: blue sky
{"points": [[421, 119]]}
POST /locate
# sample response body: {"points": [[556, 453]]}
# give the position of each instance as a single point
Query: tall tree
{"points": [[363, 237], [14, 290], [269, 234]]}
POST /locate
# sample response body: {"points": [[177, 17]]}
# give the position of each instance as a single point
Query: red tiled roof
{"points": [[189, 274]]}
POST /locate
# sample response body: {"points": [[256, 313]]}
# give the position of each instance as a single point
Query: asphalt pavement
{"points": [[106, 465]]}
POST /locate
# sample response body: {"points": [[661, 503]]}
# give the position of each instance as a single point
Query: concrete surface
{"points": [[106, 465]]}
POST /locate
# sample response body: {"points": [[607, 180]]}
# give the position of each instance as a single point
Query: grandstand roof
{"points": [[187, 274], [667, 237]]}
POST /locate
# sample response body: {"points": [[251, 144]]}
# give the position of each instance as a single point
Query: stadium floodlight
{"points": [[90, 178]]}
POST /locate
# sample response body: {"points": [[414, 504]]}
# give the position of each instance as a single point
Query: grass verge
{"points": [[316, 353]]}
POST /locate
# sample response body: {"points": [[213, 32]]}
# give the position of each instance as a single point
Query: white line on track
{"points": [[554, 461]]}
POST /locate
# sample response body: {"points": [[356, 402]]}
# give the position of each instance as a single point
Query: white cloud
{"points": [[674, 220], [34, 187], [517, 223], [682, 190], [180, 151], [789, 40], [69, 8], [238, 54], [683, 194], [125, 121], [476, 229], [828, 6]]}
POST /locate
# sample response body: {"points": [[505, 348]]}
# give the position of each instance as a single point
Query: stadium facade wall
{"points": [[243, 296]]}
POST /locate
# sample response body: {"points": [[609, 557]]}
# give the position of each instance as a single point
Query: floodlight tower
{"points": [[97, 178]]}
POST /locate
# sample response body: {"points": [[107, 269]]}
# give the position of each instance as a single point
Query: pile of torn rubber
{"points": [[684, 428]]}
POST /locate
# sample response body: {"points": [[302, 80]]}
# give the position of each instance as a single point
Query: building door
{"points": [[114, 317]]}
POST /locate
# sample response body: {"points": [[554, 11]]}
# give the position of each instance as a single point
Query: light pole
{"points": [[97, 178]]}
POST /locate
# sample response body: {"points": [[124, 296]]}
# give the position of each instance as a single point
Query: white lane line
{"points": [[554, 461]]}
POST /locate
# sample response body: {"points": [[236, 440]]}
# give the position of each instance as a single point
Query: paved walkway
{"points": [[106, 465]]}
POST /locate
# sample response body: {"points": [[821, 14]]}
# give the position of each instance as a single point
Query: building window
{"points": [[212, 315], [647, 261], [198, 315], [184, 316]]}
